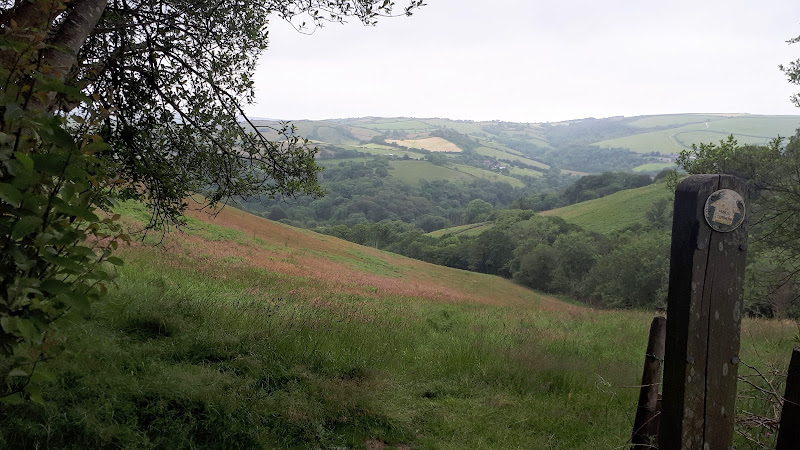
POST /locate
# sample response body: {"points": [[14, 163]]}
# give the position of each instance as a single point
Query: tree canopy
{"points": [[792, 71], [102, 100], [164, 81]]}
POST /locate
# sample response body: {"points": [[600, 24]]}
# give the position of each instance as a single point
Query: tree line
{"points": [[624, 270]]}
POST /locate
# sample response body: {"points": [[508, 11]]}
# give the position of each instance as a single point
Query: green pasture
{"points": [[654, 167], [487, 174], [614, 212], [501, 148], [665, 120], [463, 127], [412, 172], [757, 126], [336, 161], [333, 135], [384, 150], [471, 229], [527, 172], [687, 138], [746, 129], [662, 141], [507, 154], [391, 124]]}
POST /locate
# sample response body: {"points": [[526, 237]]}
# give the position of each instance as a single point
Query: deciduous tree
{"points": [[103, 100]]}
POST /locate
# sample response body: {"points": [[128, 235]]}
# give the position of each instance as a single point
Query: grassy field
{"points": [[434, 144], [408, 125], [746, 129], [471, 229], [613, 212], [383, 150], [603, 215], [413, 172], [487, 174], [666, 120], [654, 167], [333, 162], [526, 172], [243, 333], [463, 127], [503, 153]]}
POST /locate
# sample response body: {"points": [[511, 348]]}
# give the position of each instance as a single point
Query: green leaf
{"points": [[55, 287], [78, 301], [115, 261], [49, 83], [62, 139], [13, 399], [23, 178], [42, 375], [25, 226], [28, 331], [96, 147], [10, 194], [36, 395], [6, 138], [83, 251], [17, 372], [13, 112], [26, 160], [51, 163]]}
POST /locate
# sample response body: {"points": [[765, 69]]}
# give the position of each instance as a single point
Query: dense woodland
{"points": [[366, 205], [628, 268]]}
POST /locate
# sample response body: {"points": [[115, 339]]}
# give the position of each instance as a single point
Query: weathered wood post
{"points": [[646, 423], [789, 432], [704, 311]]}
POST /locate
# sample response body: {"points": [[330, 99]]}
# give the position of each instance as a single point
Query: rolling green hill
{"points": [[471, 229], [686, 130], [602, 215], [613, 212], [415, 171], [539, 146]]}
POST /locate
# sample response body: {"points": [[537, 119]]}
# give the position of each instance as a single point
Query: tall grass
{"points": [[219, 354]]}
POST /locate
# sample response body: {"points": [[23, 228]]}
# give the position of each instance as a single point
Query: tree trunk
{"points": [[71, 35], [54, 32]]}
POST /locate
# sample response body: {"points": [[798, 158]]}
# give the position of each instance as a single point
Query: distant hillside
{"points": [[471, 229], [414, 171], [616, 211], [642, 143], [602, 215], [685, 130]]}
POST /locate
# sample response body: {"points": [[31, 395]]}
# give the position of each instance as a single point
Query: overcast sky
{"points": [[537, 61]]}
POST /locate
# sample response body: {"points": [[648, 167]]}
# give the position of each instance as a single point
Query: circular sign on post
{"points": [[725, 210]]}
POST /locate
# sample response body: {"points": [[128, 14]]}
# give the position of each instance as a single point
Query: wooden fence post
{"points": [[789, 431], [646, 423], [704, 310]]}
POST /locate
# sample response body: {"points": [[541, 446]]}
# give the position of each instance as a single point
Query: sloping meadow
{"points": [[243, 333]]}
